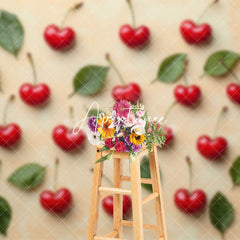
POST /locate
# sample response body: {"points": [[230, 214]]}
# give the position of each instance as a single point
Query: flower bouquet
{"points": [[127, 129]]}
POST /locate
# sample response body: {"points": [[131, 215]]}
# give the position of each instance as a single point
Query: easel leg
{"points": [[136, 199], [94, 208], [117, 198], [156, 184]]}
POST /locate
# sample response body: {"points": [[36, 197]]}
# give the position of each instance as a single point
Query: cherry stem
{"points": [[30, 58], [129, 2], [56, 175], [169, 109], [223, 237], [4, 119], [185, 80], [230, 71], [206, 9], [224, 109], [111, 63], [71, 114], [189, 163], [71, 9]]}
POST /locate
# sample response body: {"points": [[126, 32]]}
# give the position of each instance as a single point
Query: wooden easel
{"points": [[99, 192]]}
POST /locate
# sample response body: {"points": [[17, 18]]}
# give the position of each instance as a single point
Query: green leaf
{"points": [[220, 63], [106, 157], [132, 155], [235, 171], [11, 32], [94, 112], [172, 68], [145, 172], [221, 212], [90, 79], [5, 216], [104, 148], [28, 176]]}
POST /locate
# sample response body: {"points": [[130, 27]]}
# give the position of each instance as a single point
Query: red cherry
{"points": [[57, 202], [34, 94], [59, 39], [66, 139], [169, 135], [187, 95], [233, 92], [134, 38], [190, 202], [211, 148], [107, 204], [10, 134], [130, 92], [195, 34]]}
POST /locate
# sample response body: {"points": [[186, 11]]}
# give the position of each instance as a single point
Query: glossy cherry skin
{"points": [[187, 95], [57, 202], [211, 148], [10, 135], [195, 34], [169, 135], [134, 38], [130, 92], [107, 204], [190, 202], [34, 95], [66, 139], [233, 92], [59, 39]]}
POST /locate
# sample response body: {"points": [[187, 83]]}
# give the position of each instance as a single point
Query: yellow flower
{"points": [[104, 129], [137, 139]]}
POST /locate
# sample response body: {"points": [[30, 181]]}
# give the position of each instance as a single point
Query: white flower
{"points": [[138, 129], [93, 138]]}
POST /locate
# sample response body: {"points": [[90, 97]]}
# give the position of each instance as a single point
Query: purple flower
{"points": [[136, 148], [126, 149], [122, 108], [92, 123], [127, 140]]}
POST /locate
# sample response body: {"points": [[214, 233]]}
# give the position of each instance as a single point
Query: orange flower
{"points": [[104, 129]]}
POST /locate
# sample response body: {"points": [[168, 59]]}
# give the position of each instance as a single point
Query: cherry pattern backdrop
{"points": [[97, 29]]}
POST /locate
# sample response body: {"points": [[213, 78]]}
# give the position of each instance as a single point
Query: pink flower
{"points": [[122, 108], [130, 120], [140, 113]]}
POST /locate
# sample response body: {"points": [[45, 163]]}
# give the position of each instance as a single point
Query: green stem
{"points": [[206, 9], [129, 2], [55, 180], [224, 109], [189, 163], [111, 63], [169, 109], [30, 58], [71, 9], [71, 115], [4, 119], [223, 237]]}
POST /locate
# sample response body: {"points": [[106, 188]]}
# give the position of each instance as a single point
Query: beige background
{"points": [[97, 25]]}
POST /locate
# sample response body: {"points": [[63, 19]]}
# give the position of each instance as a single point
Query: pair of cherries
{"points": [[60, 38]]}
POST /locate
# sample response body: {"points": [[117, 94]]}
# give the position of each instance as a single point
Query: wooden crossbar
{"points": [[112, 234], [146, 226], [107, 238], [143, 180], [115, 190], [149, 198]]}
